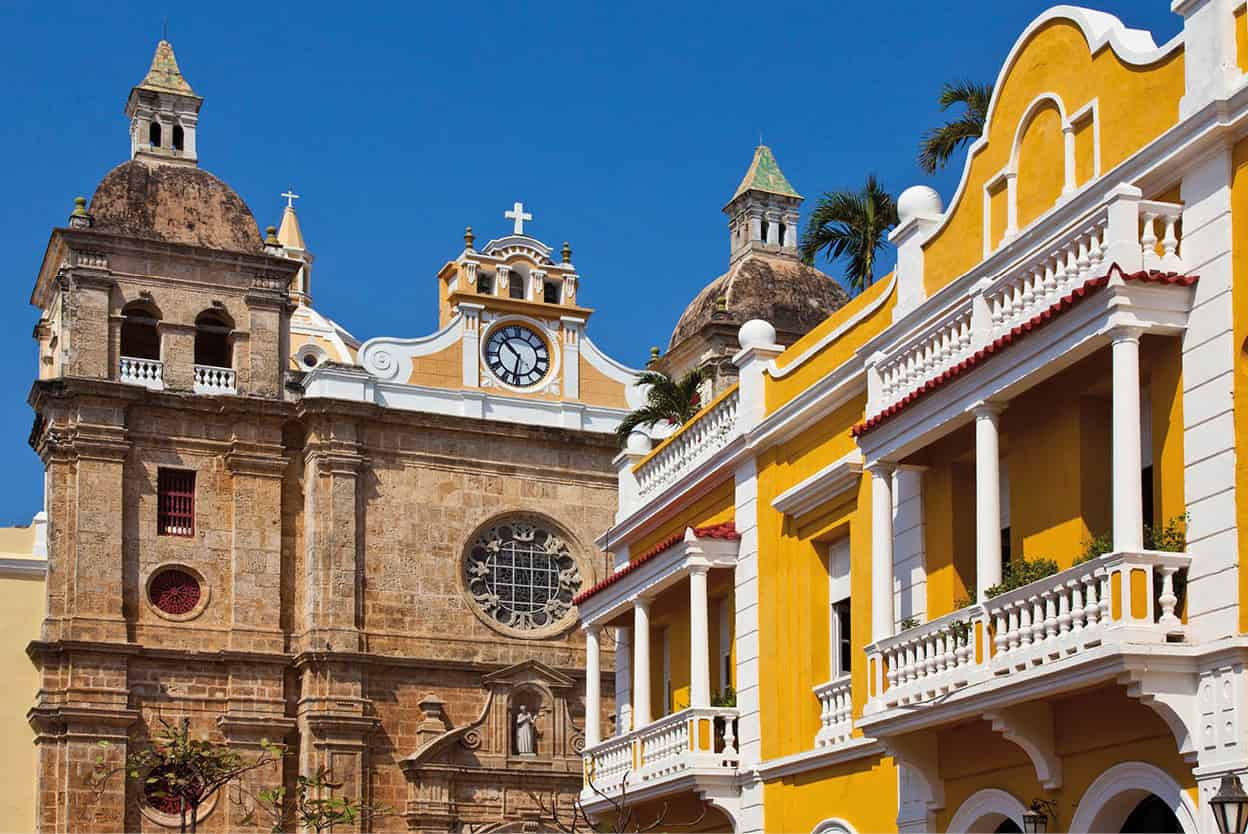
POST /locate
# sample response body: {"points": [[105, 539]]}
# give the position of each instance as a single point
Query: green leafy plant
{"points": [[853, 225], [667, 401], [1170, 537], [727, 698], [180, 771], [908, 623], [1020, 572], [312, 806], [961, 631]]}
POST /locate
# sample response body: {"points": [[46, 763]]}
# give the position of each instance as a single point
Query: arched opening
{"points": [[178, 137], [212, 340], [1008, 827], [784, 230], [550, 292], [1152, 816], [528, 711], [515, 285], [1040, 162], [153, 134], [989, 811], [140, 333], [766, 227]]}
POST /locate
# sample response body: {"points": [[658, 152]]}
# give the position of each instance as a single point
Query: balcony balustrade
{"points": [[695, 442], [213, 380], [699, 741], [1106, 603], [836, 712], [146, 373], [1124, 230]]}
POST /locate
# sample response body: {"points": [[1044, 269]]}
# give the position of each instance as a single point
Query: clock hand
{"points": [[505, 345]]}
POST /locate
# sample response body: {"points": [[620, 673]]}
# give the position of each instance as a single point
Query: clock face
{"points": [[517, 355]]}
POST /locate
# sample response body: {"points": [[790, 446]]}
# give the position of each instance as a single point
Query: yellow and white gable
{"points": [[512, 345]]}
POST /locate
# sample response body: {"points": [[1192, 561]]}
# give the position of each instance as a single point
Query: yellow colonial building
{"points": [[971, 545]]}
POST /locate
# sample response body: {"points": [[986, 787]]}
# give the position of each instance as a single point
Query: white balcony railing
{"points": [[1123, 229], [146, 373], [1115, 600], [836, 712], [698, 739], [694, 443], [213, 380]]}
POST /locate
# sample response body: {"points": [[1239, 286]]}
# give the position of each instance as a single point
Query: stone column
{"points": [[593, 687], [641, 663], [699, 639], [1128, 521], [256, 464], [881, 550], [987, 497]]}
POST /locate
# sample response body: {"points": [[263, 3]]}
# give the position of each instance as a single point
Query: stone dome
{"points": [[790, 295], [175, 204]]}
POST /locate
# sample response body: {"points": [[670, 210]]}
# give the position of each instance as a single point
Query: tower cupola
{"points": [[763, 213], [163, 112]]}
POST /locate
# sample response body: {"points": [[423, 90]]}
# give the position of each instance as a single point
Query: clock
{"points": [[517, 355]]}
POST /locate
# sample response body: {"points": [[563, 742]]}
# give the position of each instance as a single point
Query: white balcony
{"points": [[694, 443], [688, 750], [145, 373], [1032, 282], [1071, 629], [836, 712], [213, 380]]}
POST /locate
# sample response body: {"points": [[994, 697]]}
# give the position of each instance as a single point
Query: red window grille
{"points": [[174, 591], [175, 502]]}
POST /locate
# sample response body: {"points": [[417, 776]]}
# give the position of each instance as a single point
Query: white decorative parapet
{"points": [[146, 373], [836, 712], [1114, 600], [701, 739], [212, 380], [1133, 233], [696, 441]]}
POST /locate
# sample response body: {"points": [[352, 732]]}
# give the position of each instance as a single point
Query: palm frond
{"points": [[667, 401], [851, 225], [939, 145]]}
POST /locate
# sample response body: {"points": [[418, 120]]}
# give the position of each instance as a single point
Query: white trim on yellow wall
{"points": [[1106, 803], [986, 809]]}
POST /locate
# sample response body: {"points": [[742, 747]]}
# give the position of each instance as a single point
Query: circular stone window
{"points": [[177, 592], [522, 577], [163, 806]]}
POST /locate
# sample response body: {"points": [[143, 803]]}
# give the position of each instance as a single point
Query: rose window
{"points": [[522, 575], [174, 591]]}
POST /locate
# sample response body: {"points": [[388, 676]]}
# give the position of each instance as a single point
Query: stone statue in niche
{"points": [[526, 732]]}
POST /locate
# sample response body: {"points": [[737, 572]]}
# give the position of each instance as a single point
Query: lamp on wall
{"points": [[1036, 818], [1230, 806]]}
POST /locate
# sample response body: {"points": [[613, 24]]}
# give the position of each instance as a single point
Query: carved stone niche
{"points": [[473, 777]]}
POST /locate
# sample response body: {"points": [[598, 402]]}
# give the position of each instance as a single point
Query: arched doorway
{"points": [[989, 811], [1135, 796], [1152, 816]]}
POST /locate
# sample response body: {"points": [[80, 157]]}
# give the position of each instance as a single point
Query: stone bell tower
{"points": [[163, 111]]}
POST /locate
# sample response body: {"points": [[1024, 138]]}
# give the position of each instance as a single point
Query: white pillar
{"points": [[593, 688], [1127, 489], [881, 550], [641, 663], [1068, 137], [699, 639], [987, 497]]}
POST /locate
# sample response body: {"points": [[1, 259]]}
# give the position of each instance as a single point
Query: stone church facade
{"points": [[367, 551]]}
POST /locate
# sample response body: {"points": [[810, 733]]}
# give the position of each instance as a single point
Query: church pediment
{"points": [[528, 672]]}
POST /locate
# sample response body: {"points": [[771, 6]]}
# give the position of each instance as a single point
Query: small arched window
{"points": [[550, 292], [178, 135], [212, 339], [140, 334], [780, 240], [766, 228], [515, 285], [153, 134]]}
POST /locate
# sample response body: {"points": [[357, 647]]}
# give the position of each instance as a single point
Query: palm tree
{"points": [[667, 401], [851, 224], [939, 144]]}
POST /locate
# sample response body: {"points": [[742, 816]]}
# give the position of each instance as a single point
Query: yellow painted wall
{"points": [[715, 507], [1239, 260], [1136, 105], [444, 369], [599, 389], [1241, 37], [780, 391], [22, 607], [862, 793], [1085, 151], [1041, 164]]}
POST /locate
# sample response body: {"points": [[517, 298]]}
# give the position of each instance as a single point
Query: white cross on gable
{"points": [[290, 196], [519, 215]]}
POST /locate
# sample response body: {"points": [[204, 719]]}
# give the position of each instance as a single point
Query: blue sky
{"points": [[624, 128]]}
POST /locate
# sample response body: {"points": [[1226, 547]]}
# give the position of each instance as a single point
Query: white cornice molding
{"points": [[836, 333], [852, 750], [18, 568], [836, 478], [389, 358]]}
